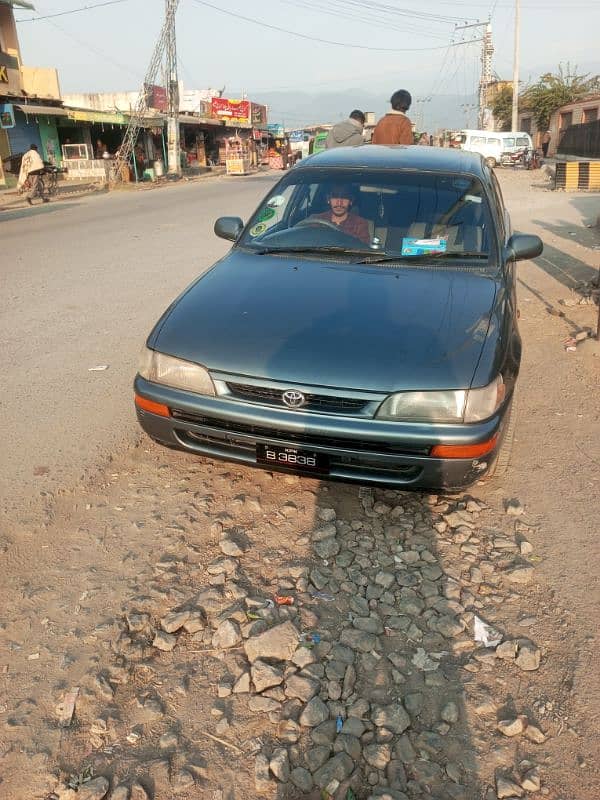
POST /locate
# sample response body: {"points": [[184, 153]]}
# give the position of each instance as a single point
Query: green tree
{"points": [[555, 90], [501, 107]]}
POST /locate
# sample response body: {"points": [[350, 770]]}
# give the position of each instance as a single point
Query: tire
{"points": [[501, 462], [491, 162]]}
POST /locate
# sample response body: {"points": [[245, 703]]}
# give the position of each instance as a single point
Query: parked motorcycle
{"points": [[525, 158]]}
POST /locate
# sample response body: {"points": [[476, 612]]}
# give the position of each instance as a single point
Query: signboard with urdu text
{"points": [[233, 111]]}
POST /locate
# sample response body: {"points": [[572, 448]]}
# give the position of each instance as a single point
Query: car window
{"points": [[509, 141], [495, 141], [522, 141], [478, 140], [387, 212], [272, 212]]}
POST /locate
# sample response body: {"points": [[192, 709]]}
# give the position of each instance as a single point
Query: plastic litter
{"points": [[484, 633], [339, 723], [284, 600], [252, 615], [327, 598], [98, 368], [269, 604], [310, 639]]}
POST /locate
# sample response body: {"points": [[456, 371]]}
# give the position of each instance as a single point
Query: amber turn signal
{"points": [[464, 450], [154, 408]]}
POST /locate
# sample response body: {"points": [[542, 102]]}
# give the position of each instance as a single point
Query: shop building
{"points": [[30, 102]]}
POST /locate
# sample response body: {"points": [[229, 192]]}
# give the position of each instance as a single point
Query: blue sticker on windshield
{"points": [[422, 247]]}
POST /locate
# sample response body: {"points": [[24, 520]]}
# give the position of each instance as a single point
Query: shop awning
{"points": [[80, 115], [52, 111]]}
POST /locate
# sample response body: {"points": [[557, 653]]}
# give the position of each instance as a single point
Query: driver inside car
{"points": [[340, 214]]}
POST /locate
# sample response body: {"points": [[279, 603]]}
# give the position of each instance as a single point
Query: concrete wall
{"points": [[10, 55], [105, 101], [41, 82]]}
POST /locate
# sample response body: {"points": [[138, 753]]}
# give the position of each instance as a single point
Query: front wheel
{"points": [[501, 462], [52, 186]]}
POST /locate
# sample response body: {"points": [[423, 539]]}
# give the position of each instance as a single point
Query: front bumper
{"points": [[358, 449]]}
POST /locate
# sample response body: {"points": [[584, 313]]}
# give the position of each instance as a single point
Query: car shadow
{"points": [[408, 663], [566, 269]]}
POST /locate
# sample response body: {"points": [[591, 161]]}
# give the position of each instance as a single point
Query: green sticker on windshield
{"points": [[266, 214], [258, 229]]}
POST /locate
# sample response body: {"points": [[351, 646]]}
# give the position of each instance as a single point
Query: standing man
{"points": [[32, 167], [348, 132], [395, 127], [546, 143]]}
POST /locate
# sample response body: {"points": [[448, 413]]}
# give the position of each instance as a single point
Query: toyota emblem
{"points": [[293, 399]]}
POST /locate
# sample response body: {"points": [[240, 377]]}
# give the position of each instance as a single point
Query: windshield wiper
{"points": [[387, 257], [263, 251]]}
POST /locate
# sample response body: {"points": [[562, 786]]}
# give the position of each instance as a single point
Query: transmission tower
{"points": [[487, 50], [125, 151], [174, 162]]}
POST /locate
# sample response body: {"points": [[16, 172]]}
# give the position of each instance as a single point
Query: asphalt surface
{"points": [[82, 283]]}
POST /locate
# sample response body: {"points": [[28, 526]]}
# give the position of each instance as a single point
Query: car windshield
{"points": [[384, 215]]}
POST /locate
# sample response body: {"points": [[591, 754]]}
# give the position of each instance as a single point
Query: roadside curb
{"points": [[17, 201]]}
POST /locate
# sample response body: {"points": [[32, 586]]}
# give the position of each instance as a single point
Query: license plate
{"points": [[292, 458]]}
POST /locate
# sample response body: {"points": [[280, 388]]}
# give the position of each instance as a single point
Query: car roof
{"points": [[401, 157]]}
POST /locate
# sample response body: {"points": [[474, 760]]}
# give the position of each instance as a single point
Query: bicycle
{"points": [[46, 183]]}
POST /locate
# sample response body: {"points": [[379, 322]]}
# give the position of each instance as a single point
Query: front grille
{"points": [[303, 439], [314, 402]]}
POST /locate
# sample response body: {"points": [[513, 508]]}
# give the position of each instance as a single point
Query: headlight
{"points": [[462, 405], [160, 368]]}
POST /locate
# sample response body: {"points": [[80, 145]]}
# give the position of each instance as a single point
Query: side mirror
{"points": [[521, 246], [229, 228]]}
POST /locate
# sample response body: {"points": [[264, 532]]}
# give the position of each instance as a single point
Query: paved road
{"points": [[82, 282]]}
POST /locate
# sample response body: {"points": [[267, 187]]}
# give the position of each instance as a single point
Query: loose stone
{"points": [[393, 717], [450, 713], [377, 755], [95, 789], [175, 620], [280, 764], [264, 675], [182, 781], [337, 768], [302, 688], [505, 787], [302, 779], [315, 712], [279, 643], [227, 635], [164, 641], [511, 727]]}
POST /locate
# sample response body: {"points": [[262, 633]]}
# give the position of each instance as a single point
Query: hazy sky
{"points": [[109, 48]]}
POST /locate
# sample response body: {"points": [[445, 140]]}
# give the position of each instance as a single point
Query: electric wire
{"points": [[72, 11], [316, 38]]}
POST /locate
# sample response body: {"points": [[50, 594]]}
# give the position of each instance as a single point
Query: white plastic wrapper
{"points": [[484, 633]]}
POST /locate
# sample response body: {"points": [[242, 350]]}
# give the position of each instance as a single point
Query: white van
{"points": [[491, 144]]}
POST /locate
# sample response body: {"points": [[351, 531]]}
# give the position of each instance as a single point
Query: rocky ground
{"points": [[211, 631]]}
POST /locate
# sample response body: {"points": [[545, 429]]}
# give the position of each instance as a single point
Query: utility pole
{"points": [[515, 102], [173, 144], [487, 50], [134, 126]]}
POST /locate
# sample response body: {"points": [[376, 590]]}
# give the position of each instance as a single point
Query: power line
{"points": [[73, 11], [91, 48], [315, 38]]}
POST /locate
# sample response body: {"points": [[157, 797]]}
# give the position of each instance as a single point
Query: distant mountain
{"points": [[295, 109]]}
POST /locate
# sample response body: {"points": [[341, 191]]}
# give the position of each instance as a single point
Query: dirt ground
{"points": [[143, 597]]}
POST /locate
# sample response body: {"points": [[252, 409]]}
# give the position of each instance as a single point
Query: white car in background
{"points": [[493, 144]]}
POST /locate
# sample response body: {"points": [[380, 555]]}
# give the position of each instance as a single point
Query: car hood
{"points": [[372, 328]]}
